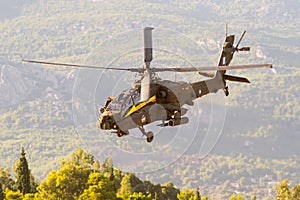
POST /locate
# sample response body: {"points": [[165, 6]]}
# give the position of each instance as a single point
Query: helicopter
{"points": [[152, 99]]}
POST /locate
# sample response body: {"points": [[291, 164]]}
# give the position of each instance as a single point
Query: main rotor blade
{"points": [[147, 46], [140, 70], [211, 68], [82, 66]]}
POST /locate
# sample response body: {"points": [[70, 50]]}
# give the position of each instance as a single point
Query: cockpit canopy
{"points": [[125, 100]]}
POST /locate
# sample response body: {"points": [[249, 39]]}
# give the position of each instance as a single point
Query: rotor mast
{"points": [[146, 80]]}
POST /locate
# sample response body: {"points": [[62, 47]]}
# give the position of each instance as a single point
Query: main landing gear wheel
{"points": [[149, 136]]}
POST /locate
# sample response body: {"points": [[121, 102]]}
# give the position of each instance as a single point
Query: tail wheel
{"points": [[149, 136], [119, 134]]}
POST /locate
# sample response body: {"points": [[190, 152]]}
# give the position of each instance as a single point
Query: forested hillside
{"points": [[91, 179], [244, 143]]}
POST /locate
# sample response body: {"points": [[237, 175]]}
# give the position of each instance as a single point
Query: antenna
{"points": [[226, 29]]}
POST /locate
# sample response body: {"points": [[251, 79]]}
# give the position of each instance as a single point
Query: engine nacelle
{"points": [[176, 122]]}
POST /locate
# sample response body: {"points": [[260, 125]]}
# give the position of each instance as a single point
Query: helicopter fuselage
{"points": [[167, 97]]}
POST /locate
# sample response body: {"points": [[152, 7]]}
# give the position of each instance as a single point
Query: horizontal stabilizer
{"points": [[236, 79], [244, 49]]}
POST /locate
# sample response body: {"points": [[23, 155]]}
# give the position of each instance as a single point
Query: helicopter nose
{"points": [[105, 122]]}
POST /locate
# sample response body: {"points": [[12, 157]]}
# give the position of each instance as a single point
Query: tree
{"points": [[29, 197], [67, 183], [1, 192], [296, 192], [169, 191], [236, 197], [80, 158], [204, 198], [12, 195], [197, 195], [154, 189], [190, 195], [138, 196], [232, 197], [137, 184], [23, 174], [130, 184], [118, 176], [96, 166], [126, 188], [186, 194], [33, 184], [108, 168], [100, 187], [283, 190], [5, 179]]}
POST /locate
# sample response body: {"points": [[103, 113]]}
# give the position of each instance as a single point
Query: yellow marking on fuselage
{"points": [[140, 106]]}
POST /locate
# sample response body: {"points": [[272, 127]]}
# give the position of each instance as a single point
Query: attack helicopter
{"points": [[153, 99]]}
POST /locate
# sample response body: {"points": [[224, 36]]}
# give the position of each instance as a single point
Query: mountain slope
{"points": [[51, 111]]}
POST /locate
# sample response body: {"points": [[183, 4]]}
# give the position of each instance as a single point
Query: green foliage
{"points": [[118, 176], [78, 180], [236, 197], [108, 168], [5, 179], [204, 198], [169, 191], [99, 187], [13, 195], [1, 192], [186, 194], [154, 190], [130, 184], [197, 195], [66, 183], [107, 165], [33, 184], [30, 197], [296, 192], [283, 190], [138, 196], [80, 158], [126, 187], [23, 174]]}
